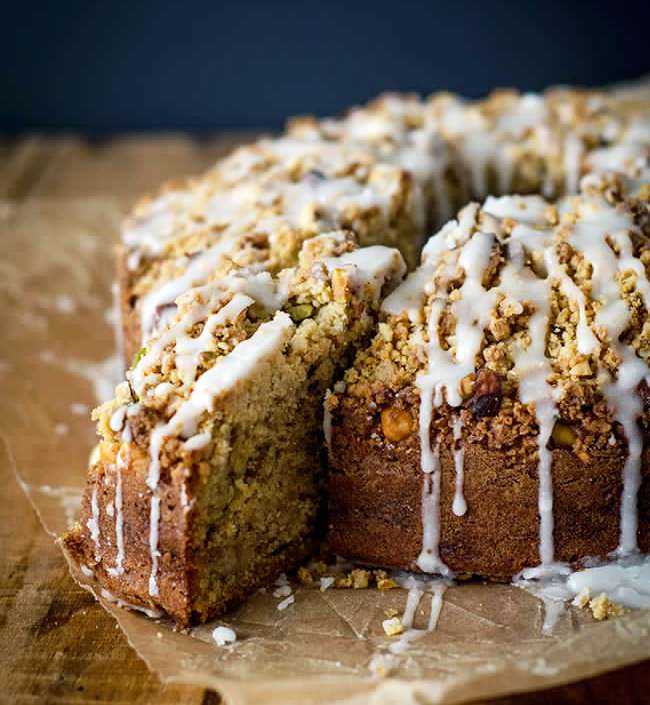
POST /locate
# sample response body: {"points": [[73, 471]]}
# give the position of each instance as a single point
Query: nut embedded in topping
{"points": [[486, 400], [563, 435], [396, 423]]}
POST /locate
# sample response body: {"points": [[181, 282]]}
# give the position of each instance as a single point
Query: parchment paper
{"points": [[57, 357]]}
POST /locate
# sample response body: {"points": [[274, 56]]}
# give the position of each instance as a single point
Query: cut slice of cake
{"points": [[207, 481], [499, 418]]}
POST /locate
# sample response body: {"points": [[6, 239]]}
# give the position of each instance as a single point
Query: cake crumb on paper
{"points": [[393, 626], [581, 600], [603, 608]]}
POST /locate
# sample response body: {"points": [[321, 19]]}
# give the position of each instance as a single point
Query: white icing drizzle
{"points": [[216, 381], [154, 553], [429, 559], [595, 223], [198, 269], [625, 581], [93, 523], [416, 589], [370, 265], [189, 350], [197, 442], [523, 209], [444, 372], [533, 369], [573, 151], [596, 220], [117, 419], [119, 520], [459, 506]]}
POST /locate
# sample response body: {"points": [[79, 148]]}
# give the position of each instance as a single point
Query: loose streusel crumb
{"points": [[603, 608], [393, 626], [581, 600]]}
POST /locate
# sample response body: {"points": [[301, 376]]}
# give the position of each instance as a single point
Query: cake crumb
{"points": [[384, 582], [359, 578], [305, 576], [603, 608], [392, 626], [343, 581], [391, 612], [224, 635], [581, 600]]}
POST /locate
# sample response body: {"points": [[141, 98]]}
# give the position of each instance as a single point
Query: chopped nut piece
{"points": [[396, 423], [343, 581], [563, 435], [386, 584], [340, 285], [487, 393], [391, 612], [359, 578], [305, 576], [466, 385], [644, 193], [500, 328], [582, 369], [392, 626], [300, 312], [602, 608], [581, 600]]}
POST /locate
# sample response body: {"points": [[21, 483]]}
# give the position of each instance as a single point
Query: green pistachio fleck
{"points": [[139, 355], [300, 312]]}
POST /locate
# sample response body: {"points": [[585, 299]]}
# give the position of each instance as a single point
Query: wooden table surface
{"points": [[56, 644]]}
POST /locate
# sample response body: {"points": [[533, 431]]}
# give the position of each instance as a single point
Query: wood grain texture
{"points": [[56, 644]]}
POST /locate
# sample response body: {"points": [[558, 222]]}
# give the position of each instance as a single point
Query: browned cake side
{"points": [[178, 542], [375, 502]]}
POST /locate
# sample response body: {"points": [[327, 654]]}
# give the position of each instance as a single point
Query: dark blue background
{"points": [[202, 65]]}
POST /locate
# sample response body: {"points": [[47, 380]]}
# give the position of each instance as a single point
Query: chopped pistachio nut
{"points": [[359, 579], [563, 435], [138, 356], [386, 584], [300, 312]]}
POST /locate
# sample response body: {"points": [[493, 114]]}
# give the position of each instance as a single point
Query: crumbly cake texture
{"points": [[207, 481], [243, 296], [498, 418]]}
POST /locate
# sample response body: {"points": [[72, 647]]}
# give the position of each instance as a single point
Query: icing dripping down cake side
{"points": [[510, 375]]}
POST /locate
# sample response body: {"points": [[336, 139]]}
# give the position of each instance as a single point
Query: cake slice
{"points": [[207, 481], [499, 418]]}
